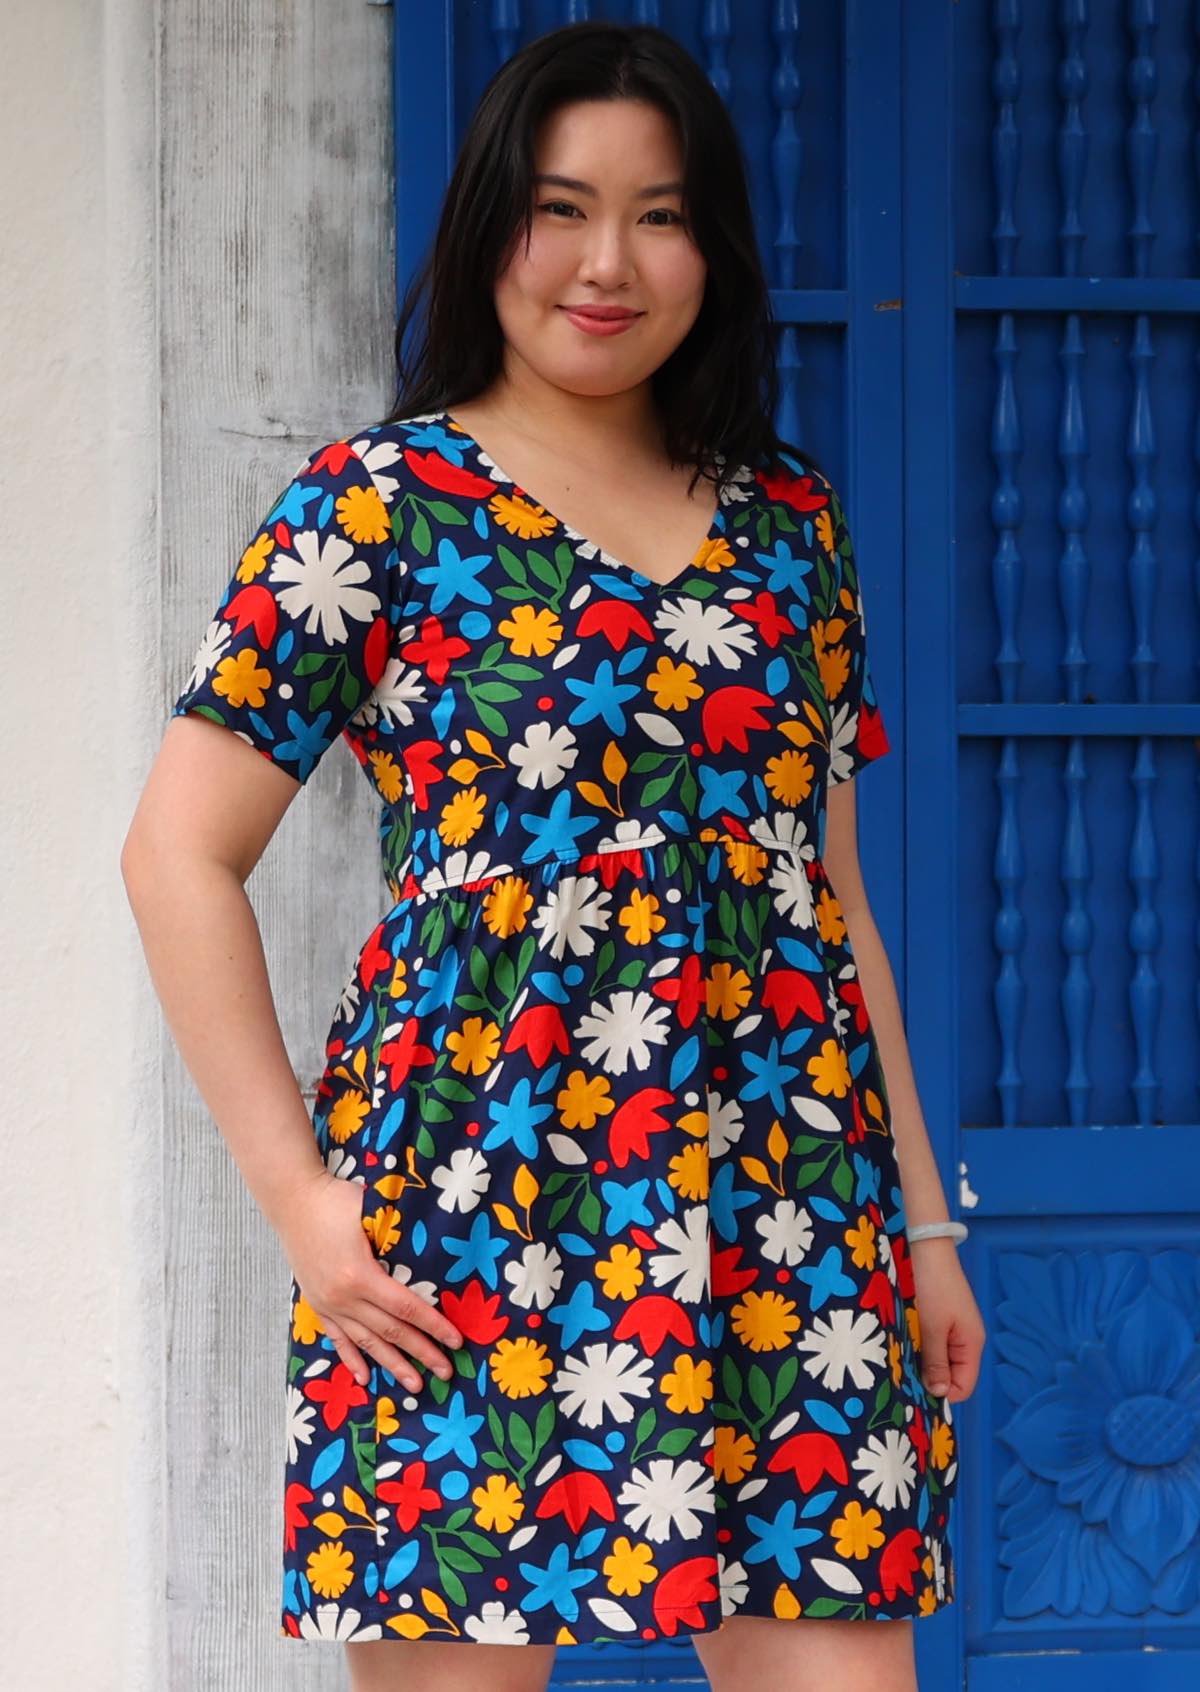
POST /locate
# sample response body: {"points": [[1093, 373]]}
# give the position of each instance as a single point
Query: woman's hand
{"points": [[951, 1328], [360, 1306]]}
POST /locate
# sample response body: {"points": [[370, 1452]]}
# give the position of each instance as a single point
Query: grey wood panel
{"points": [[276, 314]]}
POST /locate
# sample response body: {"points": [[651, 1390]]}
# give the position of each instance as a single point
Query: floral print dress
{"points": [[603, 1068]]}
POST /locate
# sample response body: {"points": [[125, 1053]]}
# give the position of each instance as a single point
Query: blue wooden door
{"points": [[1050, 637], [979, 222]]}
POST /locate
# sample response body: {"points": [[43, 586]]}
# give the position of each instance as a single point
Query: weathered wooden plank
{"points": [[276, 320]]}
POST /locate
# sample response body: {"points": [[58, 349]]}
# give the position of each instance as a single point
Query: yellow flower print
{"points": [[747, 861], [733, 1454], [531, 630], [363, 515], [765, 1321], [785, 1606], [830, 1070], [255, 558], [941, 1443], [520, 1367], [383, 1228], [689, 1387], [690, 1172], [824, 528], [462, 817], [386, 1420], [862, 1242], [728, 991], [347, 1114], [389, 777], [857, 1532], [306, 1324], [914, 1324], [641, 918], [673, 686], [714, 555], [475, 1046], [895, 1359], [834, 665], [506, 904], [398, 985], [830, 923], [521, 517], [498, 1505], [581, 1101], [240, 681], [928, 1601], [620, 1273], [628, 1568], [330, 1569], [789, 777]]}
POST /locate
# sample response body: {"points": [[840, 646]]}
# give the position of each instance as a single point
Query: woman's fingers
{"points": [[405, 1305], [349, 1353], [393, 1360], [388, 1337]]}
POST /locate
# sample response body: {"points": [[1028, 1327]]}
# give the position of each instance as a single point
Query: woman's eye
{"points": [[564, 205]]}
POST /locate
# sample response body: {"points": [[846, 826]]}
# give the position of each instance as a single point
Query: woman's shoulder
{"points": [[398, 454]]}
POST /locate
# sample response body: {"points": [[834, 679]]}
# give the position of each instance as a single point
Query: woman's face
{"points": [[603, 240]]}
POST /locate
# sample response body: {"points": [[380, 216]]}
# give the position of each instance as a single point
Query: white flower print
{"points": [[575, 910], [888, 1468], [668, 1497], [535, 1277], [210, 651], [603, 1384], [787, 1232], [624, 1030], [323, 576], [705, 634], [685, 1261], [846, 1342], [463, 1180], [543, 755]]}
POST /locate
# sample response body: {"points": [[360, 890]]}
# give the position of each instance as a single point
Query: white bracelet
{"points": [[957, 1231]]}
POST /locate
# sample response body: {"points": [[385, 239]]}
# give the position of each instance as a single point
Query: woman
{"points": [[603, 1323]]}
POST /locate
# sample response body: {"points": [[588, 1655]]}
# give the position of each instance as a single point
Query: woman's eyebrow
{"points": [[650, 193]]}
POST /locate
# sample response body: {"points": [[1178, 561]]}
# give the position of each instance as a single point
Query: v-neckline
{"points": [[583, 545]]}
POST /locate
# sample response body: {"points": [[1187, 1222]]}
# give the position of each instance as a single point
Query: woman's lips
{"points": [[600, 325]]}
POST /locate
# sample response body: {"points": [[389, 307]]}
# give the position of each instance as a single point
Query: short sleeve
{"points": [[301, 634], [857, 732]]}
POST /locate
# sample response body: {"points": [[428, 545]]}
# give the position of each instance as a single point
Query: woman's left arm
{"points": [[952, 1333]]}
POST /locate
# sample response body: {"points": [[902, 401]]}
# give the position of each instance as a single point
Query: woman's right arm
{"points": [[208, 810]]}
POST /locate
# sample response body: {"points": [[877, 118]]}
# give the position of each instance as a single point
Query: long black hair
{"points": [[717, 393]]}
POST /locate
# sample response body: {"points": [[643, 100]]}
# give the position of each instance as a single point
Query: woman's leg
{"points": [[748, 1653], [429, 1665]]}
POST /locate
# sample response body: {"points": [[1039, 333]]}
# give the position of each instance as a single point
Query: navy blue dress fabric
{"points": [[603, 1068]]}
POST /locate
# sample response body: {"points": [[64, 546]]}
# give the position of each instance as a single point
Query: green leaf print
{"points": [[809, 1173], [444, 512], [842, 1179], [590, 1214], [760, 1388], [365, 1449], [519, 1435], [421, 535], [542, 568]]}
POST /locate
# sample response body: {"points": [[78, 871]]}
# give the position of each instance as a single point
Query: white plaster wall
{"points": [[100, 1513], [80, 1453]]}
